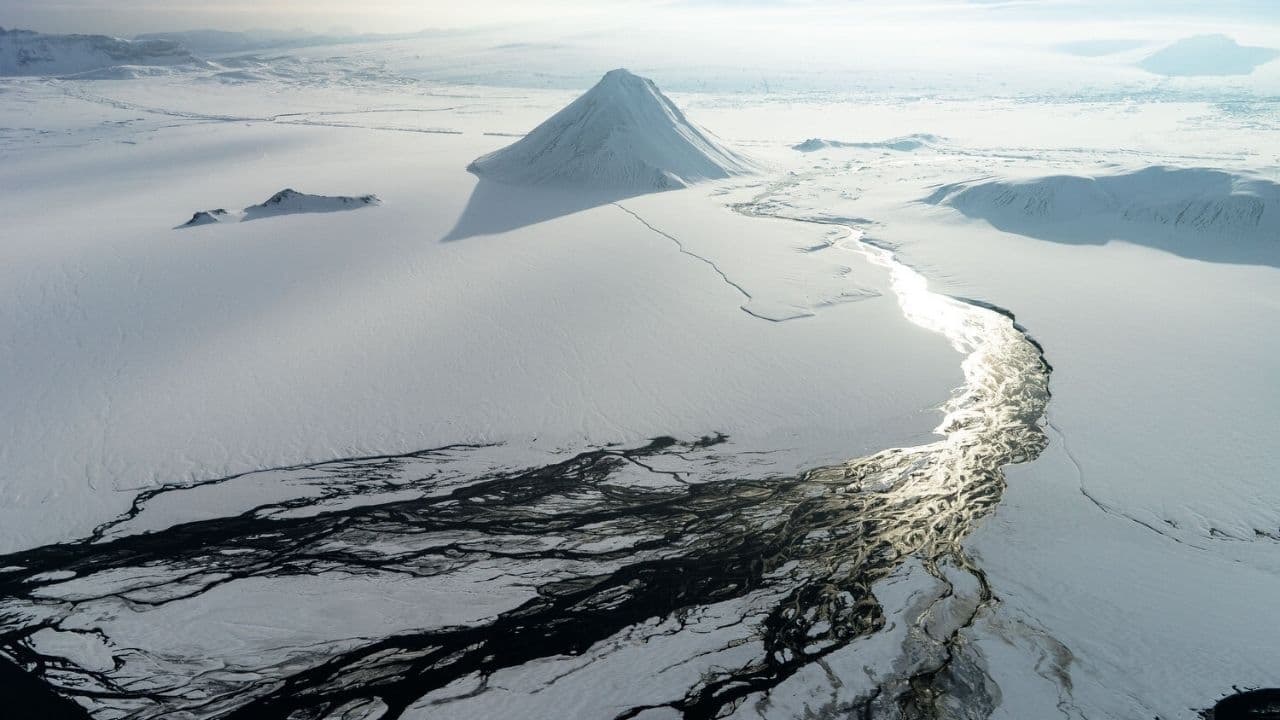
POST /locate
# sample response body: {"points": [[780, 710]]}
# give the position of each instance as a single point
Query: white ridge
{"points": [[285, 202], [1196, 200]]}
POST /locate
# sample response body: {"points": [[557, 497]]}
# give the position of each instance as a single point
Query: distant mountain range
{"points": [[220, 42], [23, 52]]}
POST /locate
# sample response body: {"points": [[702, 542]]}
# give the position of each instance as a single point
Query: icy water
{"points": [[615, 557]]}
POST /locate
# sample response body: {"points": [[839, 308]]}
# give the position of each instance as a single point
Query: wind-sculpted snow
{"points": [[285, 202], [1161, 206], [443, 583], [622, 135], [23, 52]]}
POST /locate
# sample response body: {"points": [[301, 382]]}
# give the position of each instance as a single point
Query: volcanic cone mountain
{"points": [[623, 134]]}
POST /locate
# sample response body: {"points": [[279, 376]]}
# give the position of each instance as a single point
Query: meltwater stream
{"points": [[652, 581]]}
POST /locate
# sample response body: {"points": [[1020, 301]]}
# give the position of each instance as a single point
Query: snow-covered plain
{"points": [[457, 311], [1144, 539], [1132, 564]]}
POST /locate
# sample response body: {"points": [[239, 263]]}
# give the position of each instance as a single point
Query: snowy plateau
{"points": [[834, 388]]}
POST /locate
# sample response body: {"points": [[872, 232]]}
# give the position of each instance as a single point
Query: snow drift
{"points": [[1159, 206], [623, 134], [23, 52], [1207, 55], [285, 202]]}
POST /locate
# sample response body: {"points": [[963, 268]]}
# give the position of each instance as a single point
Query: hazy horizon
{"points": [[125, 18]]}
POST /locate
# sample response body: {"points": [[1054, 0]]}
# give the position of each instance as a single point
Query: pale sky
{"points": [[128, 17], [125, 17]]}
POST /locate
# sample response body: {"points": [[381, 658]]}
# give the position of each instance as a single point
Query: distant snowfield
{"points": [[1137, 555]]}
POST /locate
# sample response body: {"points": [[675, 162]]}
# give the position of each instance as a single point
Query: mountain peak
{"points": [[622, 134], [623, 78], [620, 75]]}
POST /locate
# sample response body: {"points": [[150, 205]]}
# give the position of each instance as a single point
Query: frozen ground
{"points": [[1144, 537], [469, 311], [1125, 572]]}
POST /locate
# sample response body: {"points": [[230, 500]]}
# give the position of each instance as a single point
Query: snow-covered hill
{"points": [[623, 134], [290, 201], [285, 202], [207, 217], [1207, 55], [1194, 200], [23, 52]]}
